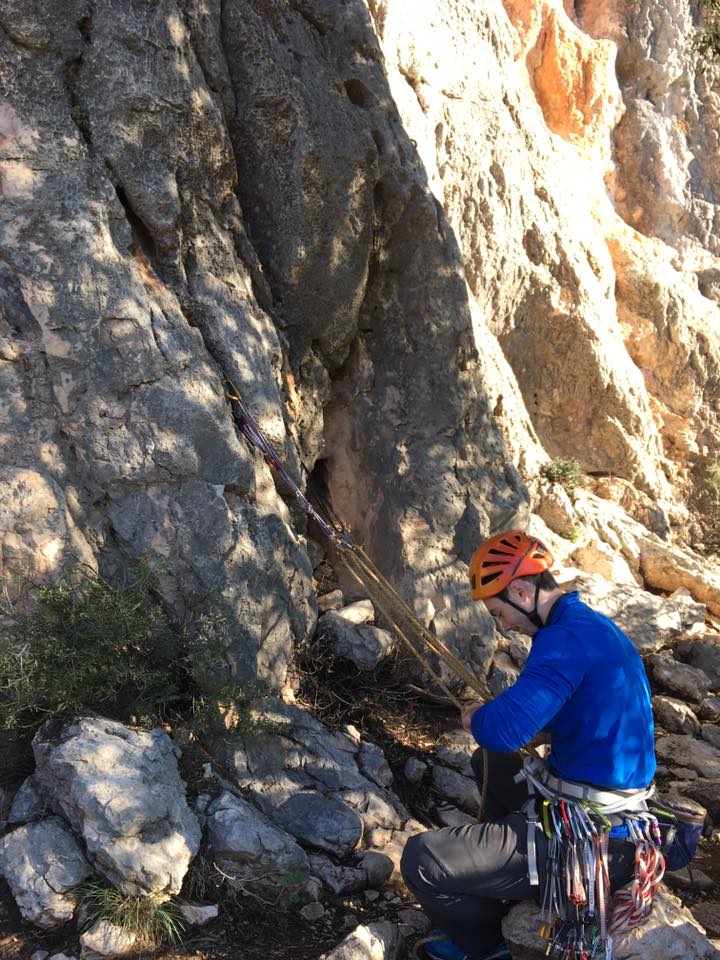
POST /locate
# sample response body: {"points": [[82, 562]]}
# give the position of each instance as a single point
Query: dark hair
{"points": [[544, 580]]}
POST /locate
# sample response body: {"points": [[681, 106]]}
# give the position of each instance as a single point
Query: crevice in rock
{"points": [[358, 93], [142, 238], [78, 111]]}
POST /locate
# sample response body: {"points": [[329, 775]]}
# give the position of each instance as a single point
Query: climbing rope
{"points": [[632, 905], [397, 613]]}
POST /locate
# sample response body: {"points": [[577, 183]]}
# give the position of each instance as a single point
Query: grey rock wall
{"points": [[415, 248]]}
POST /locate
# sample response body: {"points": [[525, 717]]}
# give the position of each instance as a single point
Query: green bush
{"points": [[712, 477], [707, 38], [97, 648], [565, 471]]}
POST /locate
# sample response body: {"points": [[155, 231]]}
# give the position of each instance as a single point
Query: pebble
{"points": [[313, 911]]}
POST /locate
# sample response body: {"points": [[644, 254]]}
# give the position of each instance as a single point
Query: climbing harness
{"points": [[578, 917], [399, 616]]}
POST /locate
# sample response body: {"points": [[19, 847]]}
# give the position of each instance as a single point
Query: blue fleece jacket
{"points": [[585, 684]]}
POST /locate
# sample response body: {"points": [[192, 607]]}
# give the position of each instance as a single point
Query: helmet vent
{"points": [[488, 578]]}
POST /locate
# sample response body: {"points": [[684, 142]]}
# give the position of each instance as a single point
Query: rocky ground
{"points": [[322, 792]]}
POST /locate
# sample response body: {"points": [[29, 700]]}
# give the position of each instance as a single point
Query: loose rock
{"points": [[685, 750], [322, 822], [377, 941], [240, 834], [104, 939], [675, 716], [197, 915], [120, 790], [414, 770], [454, 786], [373, 764], [363, 645], [42, 864], [28, 803], [689, 682]]}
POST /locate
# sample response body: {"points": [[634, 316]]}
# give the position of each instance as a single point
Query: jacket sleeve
{"points": [[552, 673]]}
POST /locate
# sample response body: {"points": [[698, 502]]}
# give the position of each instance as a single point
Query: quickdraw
{"points": [[578, 918]]}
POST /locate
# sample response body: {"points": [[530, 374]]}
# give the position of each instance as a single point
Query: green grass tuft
{"points": [[152, 919]]}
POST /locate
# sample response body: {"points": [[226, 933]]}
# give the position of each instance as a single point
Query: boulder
{"points": [[377, 941], [28, 803], [321, 821], [675, 716], [703, 790], [688, 682], [456, 750], [670, 932], [454, 786], [42, 864], [705, 655], [362, 644], [373, 764], [668, 568], [651, 622], [120, 790], [687, 751], [238, 833]]}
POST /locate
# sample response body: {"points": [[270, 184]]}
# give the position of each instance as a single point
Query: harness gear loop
{"points": [[575, 913]]}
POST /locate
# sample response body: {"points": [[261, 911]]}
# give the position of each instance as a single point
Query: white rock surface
{"points": [[242, 835], [675, 716], [104, 939], [670, 933], [43, 864], [362, 644], [377, 941], [120, 791]]}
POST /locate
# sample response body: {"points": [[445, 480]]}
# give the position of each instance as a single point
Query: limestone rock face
{"points": [[429, 252]]}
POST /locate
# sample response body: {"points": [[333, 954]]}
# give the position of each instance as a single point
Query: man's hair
{"points": [[544, 580]]}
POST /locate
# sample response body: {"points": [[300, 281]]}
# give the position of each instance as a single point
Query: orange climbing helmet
{"points": [[504, 558]]}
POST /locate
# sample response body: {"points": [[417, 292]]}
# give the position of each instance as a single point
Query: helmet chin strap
{"points": [[532, 615]]}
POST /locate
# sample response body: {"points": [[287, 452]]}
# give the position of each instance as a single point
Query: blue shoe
{"points": [[440, 946]]}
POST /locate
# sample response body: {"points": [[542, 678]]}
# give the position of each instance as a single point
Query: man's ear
{"points": [[519, 591]]}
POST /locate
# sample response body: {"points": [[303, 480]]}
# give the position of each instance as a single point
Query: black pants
{"points": [[466, 878]]}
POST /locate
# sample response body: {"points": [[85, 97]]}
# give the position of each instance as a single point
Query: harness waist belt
{"points": [[583, 791], [540, 780]]}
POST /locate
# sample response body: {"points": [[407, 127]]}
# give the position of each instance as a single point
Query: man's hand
{"points": [[539, 739], [467, 715]]}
